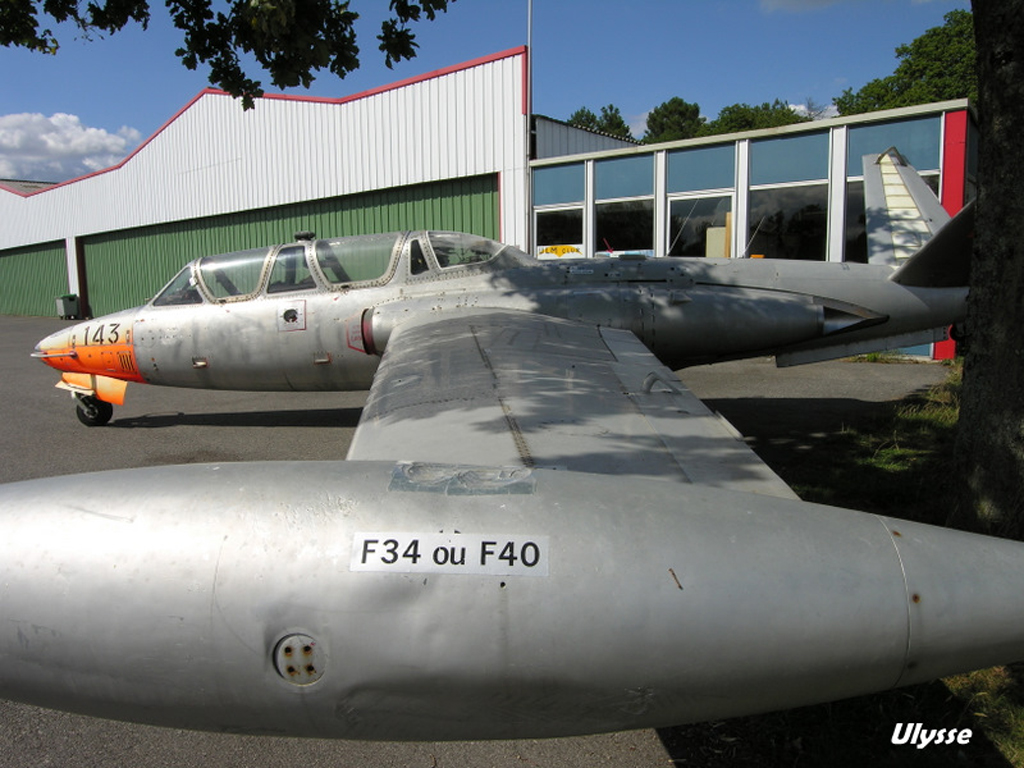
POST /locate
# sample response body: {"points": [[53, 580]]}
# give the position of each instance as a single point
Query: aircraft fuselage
{"points": [[304, 323]]}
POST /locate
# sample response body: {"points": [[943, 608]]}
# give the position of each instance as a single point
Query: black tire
{"points": [[93, 412]]}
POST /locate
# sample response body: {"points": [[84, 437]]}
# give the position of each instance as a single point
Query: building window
{"points": [[558, 184], [790, 159], [560, 233], [918, 140], [625, 226], [789, 222], [690, 170], [700, 226], [856, 224], [624, 177]]}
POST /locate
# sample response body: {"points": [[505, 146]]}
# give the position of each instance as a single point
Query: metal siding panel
{"points": [[213, 159], [431, 151], [31, 278], [471, 105], [401, 144], [462, 159]]}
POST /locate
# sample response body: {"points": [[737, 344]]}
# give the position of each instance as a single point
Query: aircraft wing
{"points": [[505, 388]]}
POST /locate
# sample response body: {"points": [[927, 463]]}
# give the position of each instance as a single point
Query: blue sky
{"points": [[92, 103]]}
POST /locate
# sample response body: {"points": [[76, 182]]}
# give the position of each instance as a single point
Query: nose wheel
{"points": [[92, 411]]}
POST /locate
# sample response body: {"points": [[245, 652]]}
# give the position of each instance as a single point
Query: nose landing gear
{"points": [[92, 411]]}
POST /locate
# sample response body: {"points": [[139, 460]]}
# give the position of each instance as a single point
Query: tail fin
{"points": [[909, 229], [945, 260], [901, 211]]}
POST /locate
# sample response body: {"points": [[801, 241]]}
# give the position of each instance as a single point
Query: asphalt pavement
{"points": [[777, 409]]}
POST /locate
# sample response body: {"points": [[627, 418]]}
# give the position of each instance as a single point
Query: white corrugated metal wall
{"points": [[213, 158]]}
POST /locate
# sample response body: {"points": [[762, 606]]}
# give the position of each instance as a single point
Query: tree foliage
{"points": [[610, 121], [744, 117], [673, 120], [937, 66], [290, 39], [676, 119]]}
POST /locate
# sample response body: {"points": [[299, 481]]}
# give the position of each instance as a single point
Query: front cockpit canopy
{"points": [[329, 264]]}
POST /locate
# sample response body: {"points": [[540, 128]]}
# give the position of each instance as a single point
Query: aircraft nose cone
{"points": [[58, 339], [55, 347]]}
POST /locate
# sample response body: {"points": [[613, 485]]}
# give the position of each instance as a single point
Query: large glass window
{"points": [[856, 246], [918, 140], [625, 226], [856, 224], [690, 170], [789, 159], [789, 223], [624, 177], [700, 226], [560, 233], [557, 184]]}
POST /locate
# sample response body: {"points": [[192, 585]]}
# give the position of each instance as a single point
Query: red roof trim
{"points": [[287, 97], [402, 83]]}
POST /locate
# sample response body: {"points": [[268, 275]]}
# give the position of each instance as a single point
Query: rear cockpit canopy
{"points": [[327, 265]]}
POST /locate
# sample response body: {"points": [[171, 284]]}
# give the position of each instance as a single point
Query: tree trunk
{"points": [[990, 444]]}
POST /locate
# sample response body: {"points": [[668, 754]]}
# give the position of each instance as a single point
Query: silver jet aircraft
{"points": [[539, 530], [319, 314]]}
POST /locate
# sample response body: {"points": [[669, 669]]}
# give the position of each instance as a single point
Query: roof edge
{"points": [[437, 73]]}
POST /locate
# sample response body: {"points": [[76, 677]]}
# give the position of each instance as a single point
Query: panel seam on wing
{"points": [[522, 448]]}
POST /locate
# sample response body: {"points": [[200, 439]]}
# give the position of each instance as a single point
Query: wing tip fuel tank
{"points": [[488, 604]]}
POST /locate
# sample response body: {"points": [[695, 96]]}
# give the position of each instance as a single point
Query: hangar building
{"points": [[452, 149]]}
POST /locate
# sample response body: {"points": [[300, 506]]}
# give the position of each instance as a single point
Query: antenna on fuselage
{"points": [[305, 234]]}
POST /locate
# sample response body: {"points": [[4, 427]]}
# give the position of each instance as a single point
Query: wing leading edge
{"points": [[503, 388]]}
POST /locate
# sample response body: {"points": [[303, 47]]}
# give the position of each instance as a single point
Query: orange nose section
{"points": [[101, 347]]}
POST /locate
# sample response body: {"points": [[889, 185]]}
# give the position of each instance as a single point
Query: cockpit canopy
{"points": [[331, 264]]}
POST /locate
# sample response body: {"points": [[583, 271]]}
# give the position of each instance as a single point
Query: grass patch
{"points": [[899, 463]]}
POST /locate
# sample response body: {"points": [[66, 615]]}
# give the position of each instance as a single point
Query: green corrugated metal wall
{"points": [[127, 267], [31, 278]]}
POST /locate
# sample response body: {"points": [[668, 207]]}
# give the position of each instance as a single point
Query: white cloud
{"points": [[59, 147], [638, 124], [821, 112]]}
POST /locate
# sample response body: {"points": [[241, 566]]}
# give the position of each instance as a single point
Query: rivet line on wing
{"points": [[513, 426]]}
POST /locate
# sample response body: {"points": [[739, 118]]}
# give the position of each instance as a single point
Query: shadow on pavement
{"points": [[346, 418]]}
